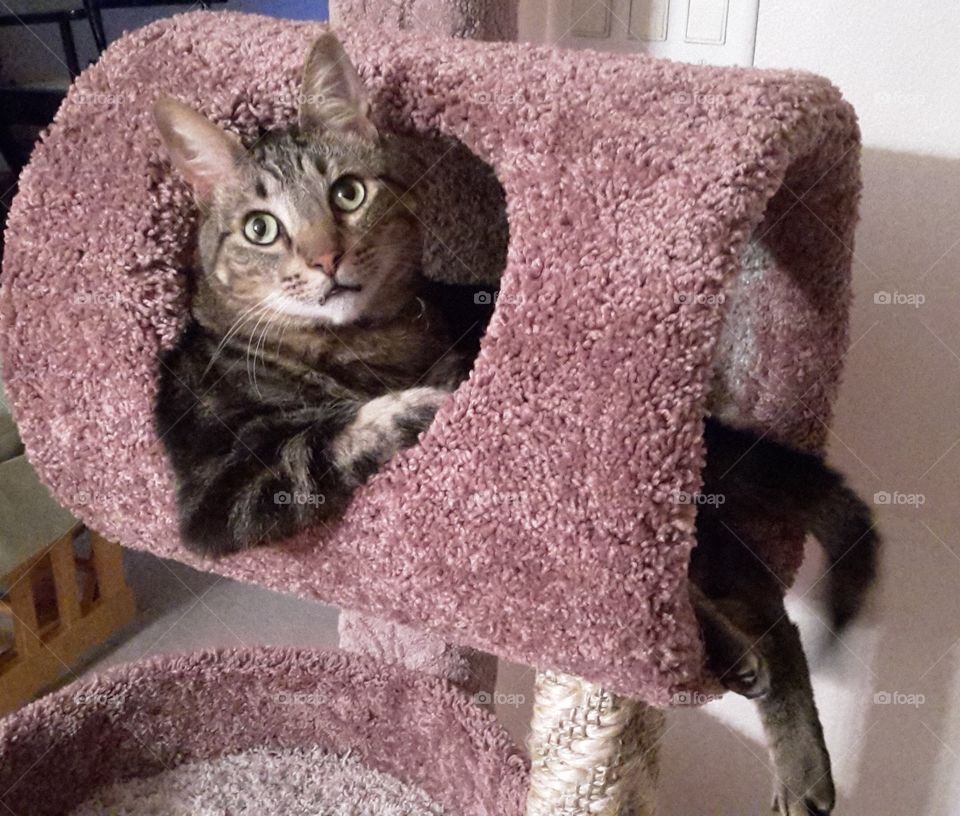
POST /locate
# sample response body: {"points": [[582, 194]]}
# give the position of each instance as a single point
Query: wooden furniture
{"points": [[61, 592], [57, 605]]}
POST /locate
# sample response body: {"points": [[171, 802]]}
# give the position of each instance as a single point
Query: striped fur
{"points": [[256, 463], [314, 352]]}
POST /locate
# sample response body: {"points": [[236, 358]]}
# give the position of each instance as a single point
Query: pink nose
{"points": [[328, 262]]}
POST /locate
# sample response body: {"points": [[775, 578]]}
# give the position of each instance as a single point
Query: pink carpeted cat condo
{"points": [[679, 242]]}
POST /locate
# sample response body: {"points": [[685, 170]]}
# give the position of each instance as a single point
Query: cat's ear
{"points": [[333, 96], [206, 155]]}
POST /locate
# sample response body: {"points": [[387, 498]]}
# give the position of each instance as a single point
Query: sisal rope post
{"points": [[593, 753]]}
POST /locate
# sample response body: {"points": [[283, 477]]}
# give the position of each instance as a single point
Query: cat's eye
{"points": [[347, 194], [261, 228]]}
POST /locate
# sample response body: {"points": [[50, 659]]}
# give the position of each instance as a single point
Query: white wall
{"points": [[897, 425], [533, 19], [898, 63]]}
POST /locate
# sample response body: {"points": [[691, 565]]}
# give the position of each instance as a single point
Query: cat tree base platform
{"points": [[169, 731]]}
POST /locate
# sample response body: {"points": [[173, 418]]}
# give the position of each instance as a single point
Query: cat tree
{"points": [[679, 239]]}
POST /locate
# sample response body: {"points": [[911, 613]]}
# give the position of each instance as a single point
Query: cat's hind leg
{"points": [[748, 596]]}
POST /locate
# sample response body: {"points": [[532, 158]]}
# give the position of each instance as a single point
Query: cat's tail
{"points": [[844, 525], [758, 473]]}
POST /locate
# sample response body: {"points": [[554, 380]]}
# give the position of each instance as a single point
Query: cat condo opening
{"points": [[678, 241]]}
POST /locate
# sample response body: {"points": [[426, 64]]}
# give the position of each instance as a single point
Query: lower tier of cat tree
{"points": [[344, 733]]}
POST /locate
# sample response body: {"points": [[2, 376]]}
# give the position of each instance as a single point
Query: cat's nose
{"points": [[327, 261]]}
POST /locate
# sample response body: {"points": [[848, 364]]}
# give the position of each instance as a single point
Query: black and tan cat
{"points": [[313, 355]]}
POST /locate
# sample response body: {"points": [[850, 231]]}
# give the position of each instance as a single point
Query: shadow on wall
{"points": [[898, 416], [898, 435], [888, 692]]}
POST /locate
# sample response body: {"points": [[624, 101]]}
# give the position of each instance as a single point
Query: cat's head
{"points": [[307, 224]]}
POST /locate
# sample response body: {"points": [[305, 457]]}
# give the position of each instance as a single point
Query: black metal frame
{"points": [[64, 21], [37, 106]]}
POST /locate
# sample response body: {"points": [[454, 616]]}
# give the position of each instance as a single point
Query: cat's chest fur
{"points": [[305, 367], [367, 361]]}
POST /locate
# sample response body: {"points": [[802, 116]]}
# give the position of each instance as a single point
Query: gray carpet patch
{"points": [[308, 782]]}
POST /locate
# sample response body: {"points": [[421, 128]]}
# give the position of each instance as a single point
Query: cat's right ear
{"points": [[206, 155]]}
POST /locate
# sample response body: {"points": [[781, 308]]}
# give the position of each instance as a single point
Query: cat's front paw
{"points": [[747, 676], [731, 655], [383, 427], [416, 410]]}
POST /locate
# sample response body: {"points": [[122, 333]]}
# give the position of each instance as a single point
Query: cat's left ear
{"points": [[333, 96]]}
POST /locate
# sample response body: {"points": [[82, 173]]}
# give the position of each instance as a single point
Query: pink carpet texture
{"points": [[679, 242], [141, 719], [473, 19]]}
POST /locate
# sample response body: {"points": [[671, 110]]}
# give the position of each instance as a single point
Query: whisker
{"points": [[252, 372], [235, 327], [244, 317], [258, 349], [284, 325]]}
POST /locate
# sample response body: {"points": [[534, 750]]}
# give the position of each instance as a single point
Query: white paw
{"points": [[376, 430]]}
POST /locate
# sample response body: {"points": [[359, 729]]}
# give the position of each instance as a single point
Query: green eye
{"points": [[261, 228], [347, 194]]}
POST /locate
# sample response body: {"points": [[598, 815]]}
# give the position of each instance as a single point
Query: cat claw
{"points": [[785, 804], [750, 678]]}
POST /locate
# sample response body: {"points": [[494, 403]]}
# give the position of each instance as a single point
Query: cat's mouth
{"points": [[339, 289]]}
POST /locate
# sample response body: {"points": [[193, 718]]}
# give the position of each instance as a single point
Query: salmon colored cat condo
{"points": [[323, 733], [679, 242]]}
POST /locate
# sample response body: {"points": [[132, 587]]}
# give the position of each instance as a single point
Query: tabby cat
{"points": [[312, 355], [750, 642]]}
